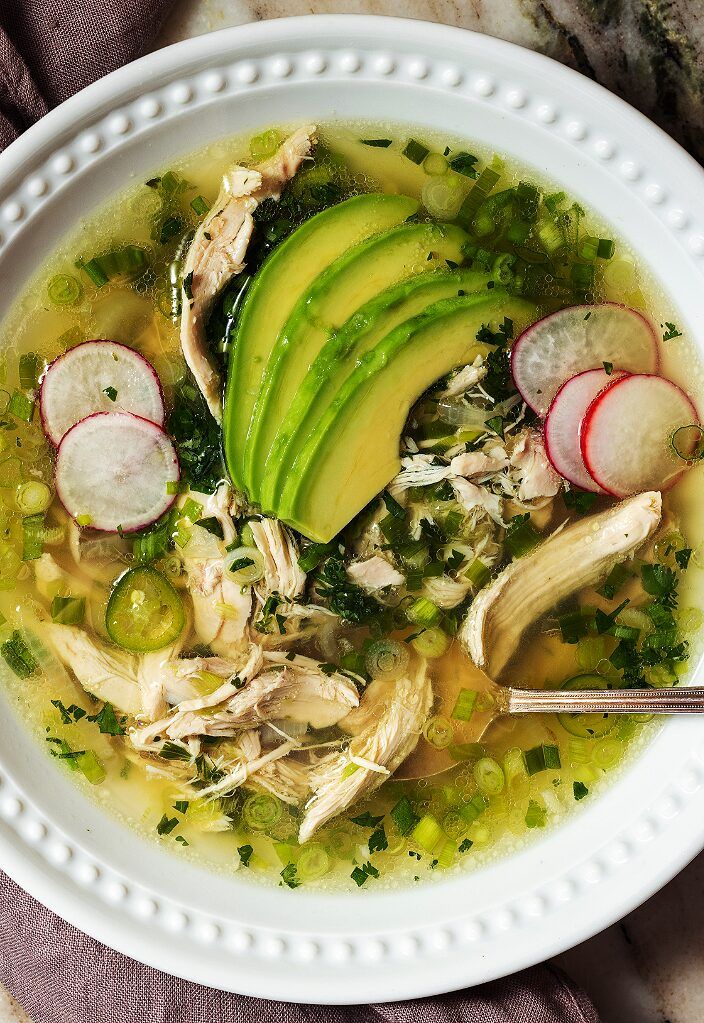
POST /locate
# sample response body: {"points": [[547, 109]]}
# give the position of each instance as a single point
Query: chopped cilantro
{"points": [[245, 852], [111, 393], [107, 721], [378, 841], [465, 845], [580, 790], [289, 876], [166, 825], [580, 501], [670, 331], [367, 820]]}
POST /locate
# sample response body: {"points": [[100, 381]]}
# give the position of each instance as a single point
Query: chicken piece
{"points": [[568, 561], [220, 506], [444, 591], [285, 778], [293, 689], [418, 471], [109, 674], [242, 771], [282, 573], [472, 496], [218, 251], [478, 463], [385, 727], [374, 574], [221, 607], [538, 479], [151, 670], [51, 578], [229, 670], [467, 378]]}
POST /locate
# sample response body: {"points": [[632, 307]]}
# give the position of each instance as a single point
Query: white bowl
{"points": [[220, 930]]}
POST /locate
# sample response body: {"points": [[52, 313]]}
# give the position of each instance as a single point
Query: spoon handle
{"points": [[682, 700]]}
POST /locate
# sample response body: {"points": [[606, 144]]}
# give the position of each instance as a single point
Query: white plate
{"points": [[616, 851]]}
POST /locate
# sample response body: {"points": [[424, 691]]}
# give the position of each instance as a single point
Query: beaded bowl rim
{"points": [[465, 930]]}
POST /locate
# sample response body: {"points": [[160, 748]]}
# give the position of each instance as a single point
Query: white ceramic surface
{"points": [[614, 853]]}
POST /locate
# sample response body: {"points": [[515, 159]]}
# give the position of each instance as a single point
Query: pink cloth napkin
{"points": [[50, 49]]}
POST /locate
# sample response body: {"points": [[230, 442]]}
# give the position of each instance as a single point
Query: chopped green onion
{"points": [[606, 248], [588, 249], [404, 816], [94, 271], [575, 624], [90, 767], [582, 276], [311, 557], [199, 206], [466, 751], [376, 143], [423, 612], [21, 406], [464, 706], [263, 146], [469, 812], [29, 370], [536, 815], [615, 581], [32, 537], [261, 811], [545, 757], [428, 834], [244, 565], [688, 442], [68, 610], [478, 193], [435, 164], [415, 151], [33, 497], [489, 776], [313, 863], [431, 643], [63, 289], [438, 731], [386, 659]]}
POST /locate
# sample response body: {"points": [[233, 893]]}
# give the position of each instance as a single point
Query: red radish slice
{"points": [[113, 470], [627, 431], [580, 337], [563, 422], [84, 380]]}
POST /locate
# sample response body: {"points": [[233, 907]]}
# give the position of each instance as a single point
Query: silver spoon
{"points": [[496, 701]]}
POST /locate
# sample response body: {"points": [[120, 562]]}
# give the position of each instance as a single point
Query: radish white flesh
{"points": [[113, 470], [563, 423], [86, 378], [627, 432], [577, 338]]}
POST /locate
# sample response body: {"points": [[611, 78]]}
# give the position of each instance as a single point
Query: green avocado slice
{"points": [[338, 356], [290, 269], [349, 282], [354, 450]]}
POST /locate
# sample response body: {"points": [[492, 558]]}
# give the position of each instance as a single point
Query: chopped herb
{"points": [[392, 505], [536, 815], [670, 332], [347, 600], [580, 790], [378, 841], [111, 393], [404, 816], [172, 751], [245, 852], [496, 425], [545, 757], [71, 714], [580, 501], [107, 721], [166, 825], [311, 557], [214, 526], [605, 622], [376, 143], [465, 845], [464, 705], [415, 151], [181, 840], [608, 368], [17, 655], [682, 557], [521, 536], [464, 163], [615, 581], [367, 820], [188, 286], [199, 206], [288, 875], [241, 563], [360, 874]]}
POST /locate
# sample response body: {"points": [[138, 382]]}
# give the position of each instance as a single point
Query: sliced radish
{"points": [[88, 377], [113, 470], [627, 432], [580, 337], [563, 423]]}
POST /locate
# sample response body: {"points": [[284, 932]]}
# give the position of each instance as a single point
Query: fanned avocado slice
{"points": [[353, 451], [367, 269], [338, 356], [290, 269]]}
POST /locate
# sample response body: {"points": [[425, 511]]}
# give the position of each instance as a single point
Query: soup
{"points": [[308, 439]]}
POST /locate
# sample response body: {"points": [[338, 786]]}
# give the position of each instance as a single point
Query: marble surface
{"points": [[648, 967]]}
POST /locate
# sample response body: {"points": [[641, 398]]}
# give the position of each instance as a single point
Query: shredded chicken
{"points": [[218, 250], [537, 477], [385, 728], [568, 561], [375, 573], [471, 496], [108, 673], [467, 378], [282, 573]]}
